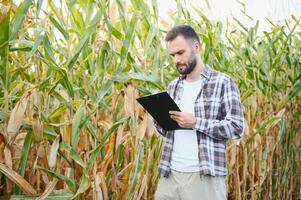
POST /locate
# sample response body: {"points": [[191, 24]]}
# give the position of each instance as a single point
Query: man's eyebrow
{"points": [[180, 51]]}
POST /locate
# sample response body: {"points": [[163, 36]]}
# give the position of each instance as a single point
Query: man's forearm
{"points": [[221, 129]]}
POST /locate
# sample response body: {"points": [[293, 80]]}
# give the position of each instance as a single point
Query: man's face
{"points": [[183, 54]]}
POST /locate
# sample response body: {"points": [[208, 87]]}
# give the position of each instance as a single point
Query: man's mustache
{"points": [[181, 64]]}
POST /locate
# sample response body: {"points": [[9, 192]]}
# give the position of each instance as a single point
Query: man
{"points": [[193, 161]]}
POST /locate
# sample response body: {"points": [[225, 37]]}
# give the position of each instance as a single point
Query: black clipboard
{"points": [[158, 106]]}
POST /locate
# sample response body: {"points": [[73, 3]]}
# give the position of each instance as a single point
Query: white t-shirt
{"points": [[184, 156]]}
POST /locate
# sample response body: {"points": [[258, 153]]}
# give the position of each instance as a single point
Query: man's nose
{"points": [[176, 59]]}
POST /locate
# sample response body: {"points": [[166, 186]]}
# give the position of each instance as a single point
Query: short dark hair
{"points": [[186, 31]]}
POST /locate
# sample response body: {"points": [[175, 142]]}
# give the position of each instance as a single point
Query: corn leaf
{"points": [[18, 18], [78, 117], [101, 143], [70, 182], [17, 179], [24, 156], [4, 39], [59, 27]]}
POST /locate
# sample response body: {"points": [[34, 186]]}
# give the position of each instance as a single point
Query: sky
{"points": [[221, 10]]}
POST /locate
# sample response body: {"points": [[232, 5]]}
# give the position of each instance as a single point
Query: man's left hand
{"points": [[184, 119]]}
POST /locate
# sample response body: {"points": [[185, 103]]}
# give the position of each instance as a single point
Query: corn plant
{"points": [[70, 126]]}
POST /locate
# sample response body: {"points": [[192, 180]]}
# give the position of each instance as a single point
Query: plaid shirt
{"points": [[219, 115]]}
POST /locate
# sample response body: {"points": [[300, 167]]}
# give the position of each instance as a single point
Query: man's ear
{"points": [[196, 46]]}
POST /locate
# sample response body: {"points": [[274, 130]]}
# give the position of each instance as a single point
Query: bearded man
{"points": [[193, 161]]}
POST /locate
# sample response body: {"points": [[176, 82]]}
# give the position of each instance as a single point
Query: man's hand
{"points": [[184, 119]]}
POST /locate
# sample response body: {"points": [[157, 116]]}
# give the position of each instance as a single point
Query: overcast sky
{"points": [[276, 10]]}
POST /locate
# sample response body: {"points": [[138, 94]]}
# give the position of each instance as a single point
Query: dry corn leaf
{"points": [[103, 186], [16, 117], [37, 127], [8, 157], [65, 129], [126, 137], [68, 173], [150, 130], [17, 179], [99, 195], [9, 163], [35, 97], [111, 144], [124, 170], [50, 187], [17, 145], [129, 100], [257, 141], [53, 152], [232, 155], [84, 184], [45, 179], [142, 187], [141, 130], [119, 136]]}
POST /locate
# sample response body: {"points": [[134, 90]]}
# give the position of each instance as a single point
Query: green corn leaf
{"points": [[78, 117], [59, 27], [121, 11], [73, 154], [78, 50], [112, 30], [18, 18], [50, 133], [4, 39], [273, 120], [150, 36], [136, 173], [67, 85], [37, 43], [39, 6], [296, 90], [48, 49], [24, 156], [84, 40], [104, 138], [127, 41], [4, 116], [83, 185], [78, 20], [57, 12], [57, 112], [61, 195], [70, 182], [125, 77]]}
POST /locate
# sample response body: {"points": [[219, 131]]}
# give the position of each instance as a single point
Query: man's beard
{"points": [[189, 66]]}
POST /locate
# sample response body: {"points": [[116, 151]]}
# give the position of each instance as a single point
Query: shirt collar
{"points": [[206, 72]]}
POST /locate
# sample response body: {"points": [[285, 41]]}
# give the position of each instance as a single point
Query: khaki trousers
{"points": [[190, 186]]}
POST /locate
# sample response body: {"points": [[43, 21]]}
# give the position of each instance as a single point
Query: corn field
{"points": [[70, 72]]}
